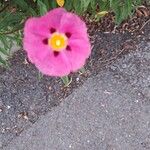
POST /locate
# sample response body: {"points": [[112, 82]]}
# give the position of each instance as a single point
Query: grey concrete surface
{"points": [[111, 111]]}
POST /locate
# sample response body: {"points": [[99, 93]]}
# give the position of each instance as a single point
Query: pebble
{"points": [[50, 88], [8, 107], [70, 146], [77, 79], [88, 141], [124, 66]]}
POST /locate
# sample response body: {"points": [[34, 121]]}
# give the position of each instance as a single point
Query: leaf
{"points": [[66, 80], [53, 4], [77, 4], [102, 13], [93, 4], [60, 2], [85, 4], [3, 40], [3, 62], [11, 20], [104, 5], [82, 70], [69, 5], [3, 51], [42, 7], [128, 7], [21, 3]]}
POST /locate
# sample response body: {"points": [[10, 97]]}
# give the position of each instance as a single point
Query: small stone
{"points": [[102, 105], [113, 68], [124, 66], [107, 92], [50, 88], [88, 141], [142, 32], [136, 101], [23, 115], [25, 62], [77, 79], [8, 107], [3, 130], [70, 146]]}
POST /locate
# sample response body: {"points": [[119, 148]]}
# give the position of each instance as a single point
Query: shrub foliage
{"points": [[13, 14]]}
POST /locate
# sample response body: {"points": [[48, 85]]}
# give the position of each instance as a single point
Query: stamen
{"points": [[45, 41], [68, 34], [58, 42], [68, 48], [52, 30]]}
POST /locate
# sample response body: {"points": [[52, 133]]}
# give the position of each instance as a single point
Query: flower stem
{"points": [[40, 75], [66, 80], [82, 70]]}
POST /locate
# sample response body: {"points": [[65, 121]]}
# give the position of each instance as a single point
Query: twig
{"points": [[4, 8], [145, 24]]}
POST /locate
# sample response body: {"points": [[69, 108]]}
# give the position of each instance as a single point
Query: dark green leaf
{"points": [[42, 7]]}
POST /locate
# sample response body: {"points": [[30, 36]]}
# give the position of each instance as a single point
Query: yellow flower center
{"points": [[58, 42]]}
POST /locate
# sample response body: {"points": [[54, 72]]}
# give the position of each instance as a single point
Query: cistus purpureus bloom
{"points": [[57, 43]]}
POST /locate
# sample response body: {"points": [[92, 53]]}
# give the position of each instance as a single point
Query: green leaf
{"points": [[10, 20], [3, 40], [85, 4], [69, 5], [93, 4], [77, 6], [53, 4], [42, 7], [66, 80], [21, 3], [102, 13], [128, 7], [3, 62], [3, 51], [40, 76], [104, 5], [82, 71]]}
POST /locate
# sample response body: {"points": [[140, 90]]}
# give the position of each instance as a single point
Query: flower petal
{"points": [[36, 50], [37, 27], [41, 26], [46, 61], [54, 66], [80, 51], [71, 23], [53, 17]]}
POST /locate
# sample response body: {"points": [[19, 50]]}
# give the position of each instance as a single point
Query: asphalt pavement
{"points": [[110, 111]]}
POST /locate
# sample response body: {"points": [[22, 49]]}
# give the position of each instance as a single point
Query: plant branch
{"points": [[145, 24], [4, 8]]}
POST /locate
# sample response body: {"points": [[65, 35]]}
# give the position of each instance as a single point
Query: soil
{"points": [[25, 96]]}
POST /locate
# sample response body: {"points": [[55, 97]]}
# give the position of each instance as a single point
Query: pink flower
{"points": [[57, 43]]}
